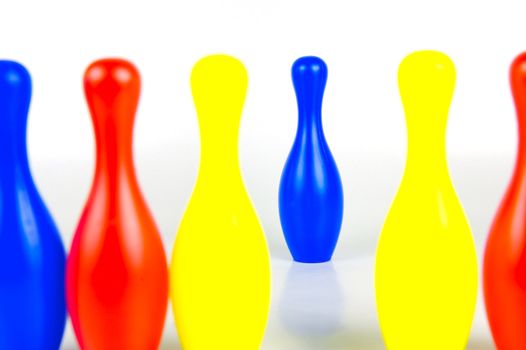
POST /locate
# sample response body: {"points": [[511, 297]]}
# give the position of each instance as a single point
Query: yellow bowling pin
{"points": [[220, 271], [426, 265]]}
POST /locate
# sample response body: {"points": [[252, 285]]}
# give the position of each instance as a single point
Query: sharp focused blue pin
{"points": [[32, 257], [310, 193]]}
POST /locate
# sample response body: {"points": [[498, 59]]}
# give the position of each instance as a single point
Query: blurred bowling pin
{"points": [[32, 257], [505, 258], [220, 271], [310, 193], [117, 279], [426, 264]]}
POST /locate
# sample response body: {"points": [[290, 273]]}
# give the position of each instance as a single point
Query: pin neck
{"points": [[114, 155], [309, 96], [15, 96], [14, 160], [518, 88], [521, 121], [13, 147], [219, 155], [310, 131], [309, 76], [309, 113], [426, 149], [309, 119], [112, 89], [520, 162]]}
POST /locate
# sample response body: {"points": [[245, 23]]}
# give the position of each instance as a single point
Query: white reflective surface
{"points": [[327, 306]]}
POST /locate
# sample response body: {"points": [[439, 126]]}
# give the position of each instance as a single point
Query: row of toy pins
{"points": [[309, 76]]}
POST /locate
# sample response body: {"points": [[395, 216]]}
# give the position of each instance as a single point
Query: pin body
{"points": [[310, 193], [32, 257], [117, 279], [505, 256], [426, 269], [220, 271]]}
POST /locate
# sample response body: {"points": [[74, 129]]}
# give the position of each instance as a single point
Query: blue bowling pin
{"points": [[310, 193], [32, 257]]}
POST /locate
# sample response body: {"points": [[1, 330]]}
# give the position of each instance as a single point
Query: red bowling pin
{"points": [[117, 279], [505, 258]]}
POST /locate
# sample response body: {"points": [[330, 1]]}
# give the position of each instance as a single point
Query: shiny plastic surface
{"points": [[310, 193], [426, 264], [32, 257], [505, 257], [117, 278], [220, 271]]}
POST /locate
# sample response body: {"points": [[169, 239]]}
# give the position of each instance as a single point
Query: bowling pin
{"points": [[426, 264], [310, 193], [117, 278], [220, 271], [32, 257], [505, 257]]}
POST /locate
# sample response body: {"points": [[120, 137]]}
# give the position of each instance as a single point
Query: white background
{"points": [[323, 307]]}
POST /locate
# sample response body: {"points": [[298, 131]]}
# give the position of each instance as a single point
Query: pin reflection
{"points": [[312, 303]]}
